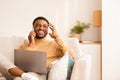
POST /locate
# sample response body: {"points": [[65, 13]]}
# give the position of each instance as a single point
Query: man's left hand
{"points": [[54, 33]]}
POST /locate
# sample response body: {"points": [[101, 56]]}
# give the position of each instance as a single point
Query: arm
{"points": [[14, 70], [64, 47], [29, 45], [59, 41], [11, 68], [57, 38]]}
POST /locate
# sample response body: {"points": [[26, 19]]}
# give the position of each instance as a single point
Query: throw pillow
{"points": [[70, 67], [58, 70], [75, 46]]}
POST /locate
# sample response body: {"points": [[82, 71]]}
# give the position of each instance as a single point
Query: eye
{"points": [[36, 26], [45, 26]]}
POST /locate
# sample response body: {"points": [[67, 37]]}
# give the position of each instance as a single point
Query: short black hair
{"points": [[40, 17]]}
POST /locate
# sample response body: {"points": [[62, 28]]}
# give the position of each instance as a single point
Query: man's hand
{"points": [[31, 37], [54, 33], [27, 76]]}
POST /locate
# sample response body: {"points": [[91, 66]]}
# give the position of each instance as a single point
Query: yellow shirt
{"points": [[54, 48]]}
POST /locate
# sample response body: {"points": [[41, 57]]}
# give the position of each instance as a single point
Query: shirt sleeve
{"points": [[64, 47], [61, 44]]}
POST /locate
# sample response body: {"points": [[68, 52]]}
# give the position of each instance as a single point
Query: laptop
{"points": [[31, 61]]}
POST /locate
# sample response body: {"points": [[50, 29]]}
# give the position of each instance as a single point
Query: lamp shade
{"points": [[97, 18]]}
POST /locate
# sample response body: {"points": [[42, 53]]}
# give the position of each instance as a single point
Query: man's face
{"points": [[40, 28]]}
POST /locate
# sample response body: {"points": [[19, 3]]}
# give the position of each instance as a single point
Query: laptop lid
{"points": [[30, 61]]}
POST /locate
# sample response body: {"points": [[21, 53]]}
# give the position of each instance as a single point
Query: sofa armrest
{"points": [[82, 68], [7, 46]]}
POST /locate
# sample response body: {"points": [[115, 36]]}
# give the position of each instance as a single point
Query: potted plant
{"points": [[78, 29]]}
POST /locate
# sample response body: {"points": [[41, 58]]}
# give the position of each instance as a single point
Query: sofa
{"points": [[82, 65]]}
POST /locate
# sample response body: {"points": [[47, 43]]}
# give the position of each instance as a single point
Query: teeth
{"points": [[41, 32]]}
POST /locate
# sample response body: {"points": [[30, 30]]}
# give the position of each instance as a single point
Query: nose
{"points": [[41, 27]]}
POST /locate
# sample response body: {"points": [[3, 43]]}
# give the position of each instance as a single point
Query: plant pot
{"points": [[75, 35]]}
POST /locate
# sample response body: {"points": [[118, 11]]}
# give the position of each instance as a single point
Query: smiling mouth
{"points": [[41, 32]]}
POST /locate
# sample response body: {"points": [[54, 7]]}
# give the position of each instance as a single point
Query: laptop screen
{"points": [[30, 61]]}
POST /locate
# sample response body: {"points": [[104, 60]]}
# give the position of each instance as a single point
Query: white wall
{"points": [[16, 16], [82, 10], [111, 40], [85, 13]]}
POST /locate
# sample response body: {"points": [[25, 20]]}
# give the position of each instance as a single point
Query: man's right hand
{"points": [[27, 76], [31, 37]]}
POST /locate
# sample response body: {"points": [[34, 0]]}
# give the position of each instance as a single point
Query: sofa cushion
{"points": [[6, 47], [8, 44], [75, 46], [70, 67], [58, 69]]}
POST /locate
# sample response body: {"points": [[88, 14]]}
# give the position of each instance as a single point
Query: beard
{"points": [[40, 37]]}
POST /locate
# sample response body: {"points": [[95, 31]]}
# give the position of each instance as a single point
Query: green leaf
{"points": [[80, 27]]}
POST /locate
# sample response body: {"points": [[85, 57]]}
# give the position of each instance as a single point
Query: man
{"points": [[39, 42]]}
